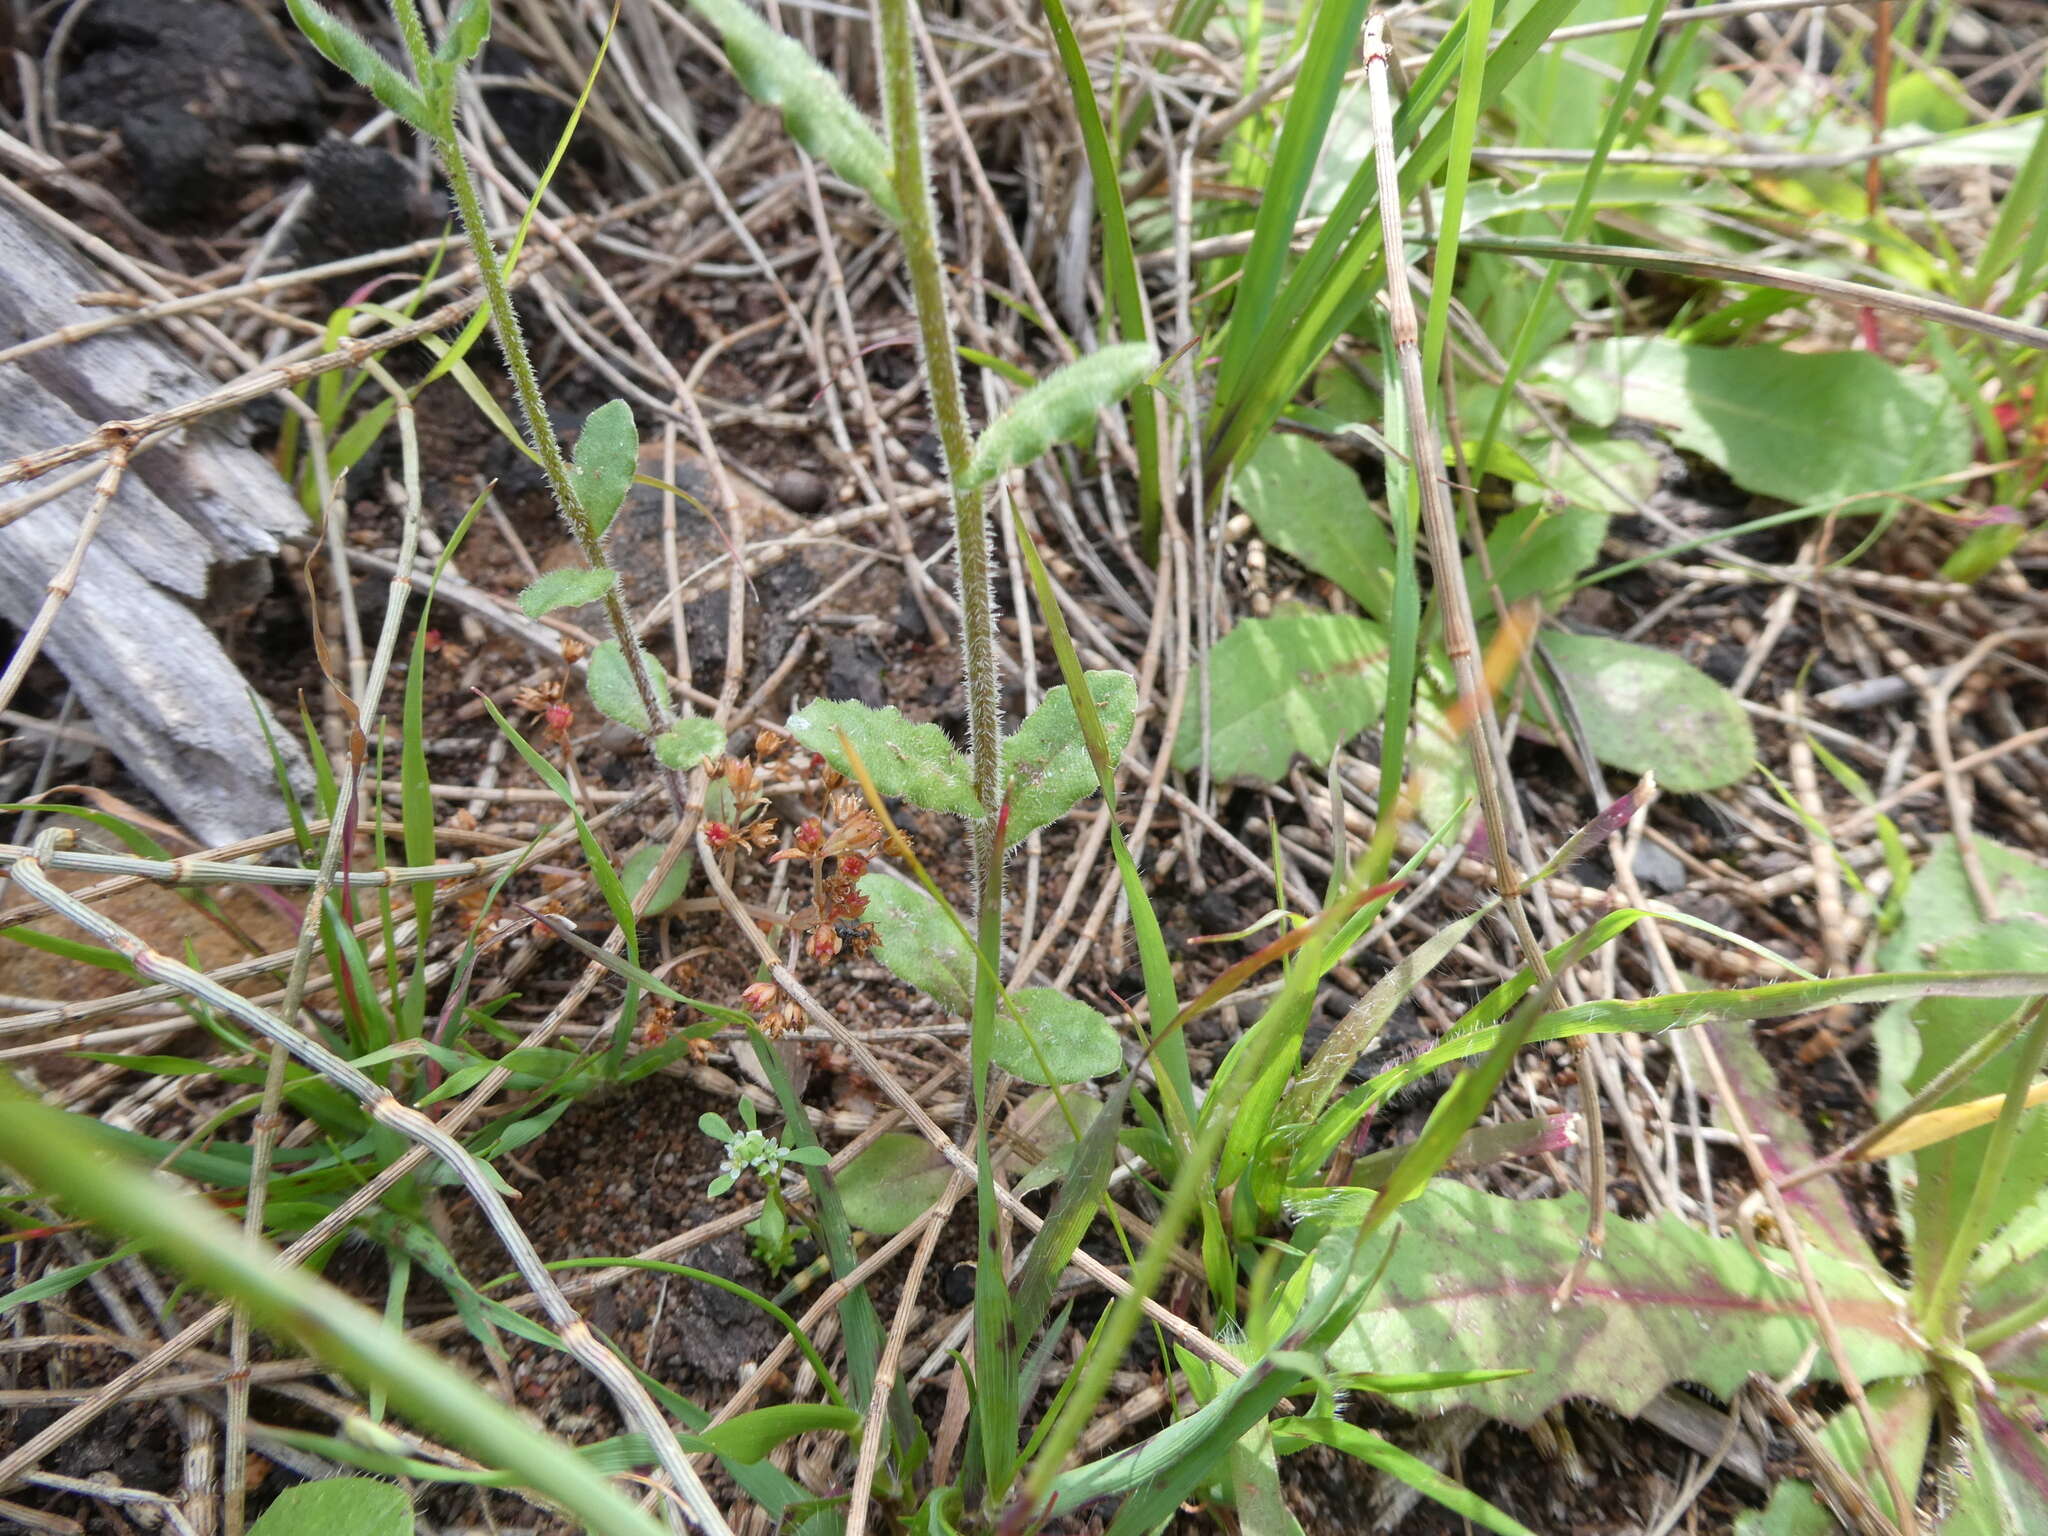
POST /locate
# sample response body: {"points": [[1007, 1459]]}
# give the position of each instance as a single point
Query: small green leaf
{"points": [[1299, 683], [715, 1126], [1061, 407], [1046, 766], [468, 30], [1075, 1042], [1985, 550], [749, 1437], [918, 943], [610, 682], [688, 742], [1648, 711], [1308, 502], [343, 47], [1471, 1281], [1534, 553], [777, 72], [895, 1181], [916, 762], [570, 587], [607, 458], [361, 1506]]}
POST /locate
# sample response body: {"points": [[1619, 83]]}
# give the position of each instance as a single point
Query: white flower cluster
{"points": [[752, 1152]]}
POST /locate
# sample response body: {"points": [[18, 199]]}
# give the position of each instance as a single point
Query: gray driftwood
{"points": [[192, 529]]}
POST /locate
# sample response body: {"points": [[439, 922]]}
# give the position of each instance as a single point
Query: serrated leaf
{"points": [[749, 1437], [361, 1506], [916, 762], [688, 742], [607, 458], [918, 944], [777, 72], [570, 587], [1300, 683], [1046, 766], [1648, 711], [610, 682], [895, 1181], [1308, 502], [1076, 1042], [1805, 427], [1062, 406], [1471, 1278], [468, 30], [348, 51]]}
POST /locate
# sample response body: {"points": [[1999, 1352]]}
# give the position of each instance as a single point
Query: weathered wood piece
{"points": [[192, 528]]}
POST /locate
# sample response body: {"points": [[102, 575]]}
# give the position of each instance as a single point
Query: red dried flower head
{"points": [[852, 865], [761, 998], [810, 836], [718, 835], [824, 943], [559, 718]]}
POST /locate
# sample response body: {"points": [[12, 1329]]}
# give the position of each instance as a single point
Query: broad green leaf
{"points": [[361, 1506], [1308, 502], [1063, 406], [1619, 461], [916, 762], [1648, 711], [1471, 1278], [343, 47], [610, 682], [688, 742], [1904, 1411], [1940, 924], [1821, 1210], [895, 1181], [640, 869], [468, 30], [1804, 427], [1075, 1042], [1300, 683], [777, 72], [749, 1437], [1535, 553], [1046, 766], [570, 587], [607, 458], [919, 943]]}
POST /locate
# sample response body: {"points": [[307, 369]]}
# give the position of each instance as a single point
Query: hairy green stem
{"points": [[540, 430], [995, 1343]]}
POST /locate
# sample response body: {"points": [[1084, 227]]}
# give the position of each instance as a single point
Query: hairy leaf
{"points": [[1472, 1276], [362, 1506], [916, 762], [777, 72], [1308, 502], [343, 47], [1649, 711], [1061, 407], [610, 682], [1806, 427], [468, 30], [1300, 683], [1046, 766], [688, 742], [570, 587], [1075, 1042], [1904, 1411], [918, 943], [607, 458], [895, 1181]]}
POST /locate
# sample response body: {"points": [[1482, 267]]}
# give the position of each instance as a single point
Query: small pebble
{"points": [[800, 491]]}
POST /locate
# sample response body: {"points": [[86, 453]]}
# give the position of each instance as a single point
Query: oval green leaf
{"points": [[570, 587], [1648, 711], [891, 1184], [1073, 1042], [915, 761], [1062, 407], [1306, 501], [1046, 767], [610, 682], [607, 458], [360, 1506], [919, 944], [1299, 683], [688, 742]]}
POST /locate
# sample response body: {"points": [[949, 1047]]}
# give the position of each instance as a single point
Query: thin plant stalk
{"points": [[903, 118], [483, 1185], [526, 383]]}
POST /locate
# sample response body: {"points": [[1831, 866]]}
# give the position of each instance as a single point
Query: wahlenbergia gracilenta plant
{"points": [[588, 487]]}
